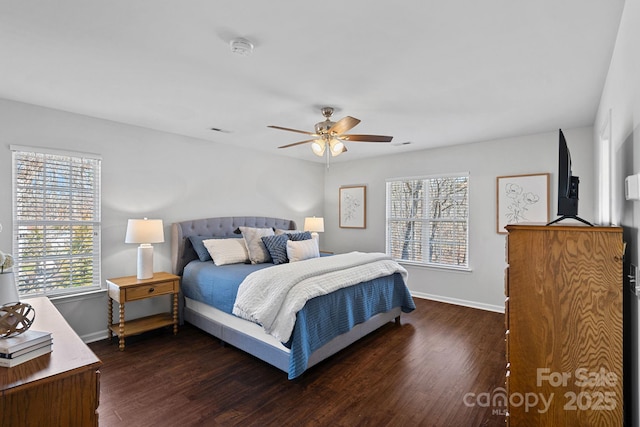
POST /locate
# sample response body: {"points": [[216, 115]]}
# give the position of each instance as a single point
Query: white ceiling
{"points": [[432, 73]]}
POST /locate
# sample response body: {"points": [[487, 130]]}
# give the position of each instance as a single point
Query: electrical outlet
{"points": [[633, 275]]}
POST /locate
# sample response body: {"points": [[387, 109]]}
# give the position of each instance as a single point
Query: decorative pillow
{"points": [[198, 246], [303, 235], [277, 247], [302, 249], [227, 251], [281, 231], [258, 252]]}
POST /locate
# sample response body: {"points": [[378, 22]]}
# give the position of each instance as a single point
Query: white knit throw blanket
{"points": [[272, 296]]}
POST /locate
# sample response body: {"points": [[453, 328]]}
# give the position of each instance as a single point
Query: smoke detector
{"points": [[241, 46]]}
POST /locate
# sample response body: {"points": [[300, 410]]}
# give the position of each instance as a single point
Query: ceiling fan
{"points": [[332, 134]]}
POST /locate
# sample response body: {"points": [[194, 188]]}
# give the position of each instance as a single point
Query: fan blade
{"points": [[343, 125], [296, 143], [294, 130], [366, 138]]}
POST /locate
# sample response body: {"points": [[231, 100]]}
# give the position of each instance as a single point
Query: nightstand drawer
{"points": [[140, 292]]}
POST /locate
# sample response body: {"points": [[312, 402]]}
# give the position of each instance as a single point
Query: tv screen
{"points": [[567, 184]]}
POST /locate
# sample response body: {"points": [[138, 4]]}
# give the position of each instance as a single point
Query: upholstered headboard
{"points": [[182, 251]]}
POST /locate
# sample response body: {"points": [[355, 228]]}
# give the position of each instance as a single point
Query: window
{"points": [[56, 220], [428, 219]]}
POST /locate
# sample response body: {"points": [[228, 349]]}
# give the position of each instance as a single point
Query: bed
{"points": [[211, 293]]}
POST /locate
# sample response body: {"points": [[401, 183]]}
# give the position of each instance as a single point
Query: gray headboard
{"points": [[181, 250]]}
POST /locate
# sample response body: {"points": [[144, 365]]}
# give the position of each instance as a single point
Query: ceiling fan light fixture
{"points": [[322, 128], [332, 135], [318, 148], [336, 147]]}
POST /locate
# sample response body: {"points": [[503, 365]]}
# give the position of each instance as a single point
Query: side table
{"points": [[130, 288]]}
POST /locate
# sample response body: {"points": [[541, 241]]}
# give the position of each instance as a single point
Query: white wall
{"points": [[621, 99], [157, 175], [484, 286]]}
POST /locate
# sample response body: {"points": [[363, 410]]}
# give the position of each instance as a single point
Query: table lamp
{"points": [[314, 225], [145, 231]]}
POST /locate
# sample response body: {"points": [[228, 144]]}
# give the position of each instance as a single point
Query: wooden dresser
{"points": [[563, 308], [58, 389]]}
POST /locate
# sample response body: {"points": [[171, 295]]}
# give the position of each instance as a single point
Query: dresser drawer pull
{"points": [[151, 290]]}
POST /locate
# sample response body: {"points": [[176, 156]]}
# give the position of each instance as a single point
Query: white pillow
{"points": [[258, 252], [227, 251], [302, 249]]}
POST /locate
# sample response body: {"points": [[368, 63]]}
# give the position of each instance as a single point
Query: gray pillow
{"points": [[258, 252], [198, 246]]}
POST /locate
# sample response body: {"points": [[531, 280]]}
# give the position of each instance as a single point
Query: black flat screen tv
{"points": [[567, 184]]}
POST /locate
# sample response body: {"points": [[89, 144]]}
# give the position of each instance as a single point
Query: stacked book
{"points": [[26, 346]]}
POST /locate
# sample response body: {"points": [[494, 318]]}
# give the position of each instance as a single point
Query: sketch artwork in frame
{"points": [[353, 206], [522, 198]]}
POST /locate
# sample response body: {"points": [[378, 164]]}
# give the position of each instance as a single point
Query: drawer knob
{"points": [[151, 290]]}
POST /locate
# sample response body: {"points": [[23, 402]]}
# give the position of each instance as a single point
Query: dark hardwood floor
{"points": [[417, 374]]}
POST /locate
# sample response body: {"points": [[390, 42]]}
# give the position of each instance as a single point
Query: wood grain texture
{"points": [[130, 288], [410, 375], [565, 322], [57, 389]]}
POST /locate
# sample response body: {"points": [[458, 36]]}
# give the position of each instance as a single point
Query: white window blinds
{"points": [[427, 220], [56, 220]]}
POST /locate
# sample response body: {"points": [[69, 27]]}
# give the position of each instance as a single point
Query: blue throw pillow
{"points": [[296, 237], [198, 246], [277, 247]]}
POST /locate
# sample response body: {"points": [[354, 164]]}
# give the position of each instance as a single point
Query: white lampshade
{"points": [[314, 224], [318, 146], [145, 231], [336, 146]]}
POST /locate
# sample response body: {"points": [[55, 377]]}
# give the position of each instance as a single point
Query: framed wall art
{"points": [[522, 198], [353, 206]]}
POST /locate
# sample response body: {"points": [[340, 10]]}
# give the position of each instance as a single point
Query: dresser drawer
{"points": [[140, 292]]}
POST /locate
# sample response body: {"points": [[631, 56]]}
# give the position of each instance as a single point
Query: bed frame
{"points": [[235, 331]]}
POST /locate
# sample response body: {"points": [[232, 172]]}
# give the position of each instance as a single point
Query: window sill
{"points": [[435, 266], [69, 297]]}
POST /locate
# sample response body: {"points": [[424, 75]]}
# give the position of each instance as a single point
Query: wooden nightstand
{"points": [[130, 288]]}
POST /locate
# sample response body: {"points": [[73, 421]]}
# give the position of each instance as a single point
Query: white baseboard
{"points": [[95, 336], [103, 335], [456, 301]]}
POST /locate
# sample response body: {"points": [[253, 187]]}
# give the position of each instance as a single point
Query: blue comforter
{"points": [[328, 316], [214, 285], [320, 320]]}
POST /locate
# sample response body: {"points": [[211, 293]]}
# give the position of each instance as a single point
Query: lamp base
{"points": [[145, 261]]}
